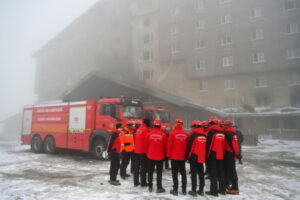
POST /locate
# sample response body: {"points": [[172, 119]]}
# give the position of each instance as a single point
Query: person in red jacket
{"points": [[231, 153], [215, 155], [139, 154], [177, 146], [156, 150], [113, 148], [196, 157]]}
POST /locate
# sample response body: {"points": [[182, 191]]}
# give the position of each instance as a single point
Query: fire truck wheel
{"points": [[49, 145], [99, 148], [36, 144]]}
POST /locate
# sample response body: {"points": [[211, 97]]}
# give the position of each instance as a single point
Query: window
{"points": [[230, 103], [224, 1], [148, 38], [147, 55], [260, 82], [175, 49], [291, 29], [295, 80], [227, 61], [175, 30], [229, 84], [198, 4], [255, 12], [258, 57], [262, 101], [200, 24], [133, 111], [146, 74], [226, 19], [109, 109], [226, 40], [199, 44], [293, 53], [289, 4], [147, 21], [200, 65], [257, 34], [174, 12], [105, 109], [203, 86]]}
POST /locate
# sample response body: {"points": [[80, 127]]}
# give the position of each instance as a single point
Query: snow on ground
{"points": [[270, 171]]}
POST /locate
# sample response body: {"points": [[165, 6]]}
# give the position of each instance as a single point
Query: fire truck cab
{"points": [[157, 112]]}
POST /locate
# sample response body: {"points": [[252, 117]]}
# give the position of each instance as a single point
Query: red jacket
{"points": [[205, 132], [114, 141], [177, 144], [139, 139], [197, 145], [216, 142], [156, 144], [231, 142]]}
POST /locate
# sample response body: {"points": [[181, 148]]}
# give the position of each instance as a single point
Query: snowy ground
{"points": [[270, 171]]}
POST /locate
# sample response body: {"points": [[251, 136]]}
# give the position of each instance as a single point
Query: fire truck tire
{"points": [[99, 148], [49, 145], [36, 144]]}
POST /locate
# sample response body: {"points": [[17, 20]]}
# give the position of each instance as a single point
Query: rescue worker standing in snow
{"points": [[155, 148], [215, 155], [196, 157], [140, 162], [177, 146], [127, 147], [113, 148], [231, 153]]}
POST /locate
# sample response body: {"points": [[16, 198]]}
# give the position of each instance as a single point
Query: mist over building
{"points": [[230, 58]]}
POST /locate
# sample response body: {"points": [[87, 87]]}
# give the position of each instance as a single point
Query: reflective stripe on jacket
{"points": [[126, 140]]}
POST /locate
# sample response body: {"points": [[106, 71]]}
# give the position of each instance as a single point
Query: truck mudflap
{"points": [[98, 143]]}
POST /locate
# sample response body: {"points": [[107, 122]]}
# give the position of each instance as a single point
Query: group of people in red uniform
{"points": [[213, 143]]}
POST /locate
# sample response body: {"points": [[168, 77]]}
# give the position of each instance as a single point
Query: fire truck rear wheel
{"points": [[99, 148], [49, 145], [36, 144]]}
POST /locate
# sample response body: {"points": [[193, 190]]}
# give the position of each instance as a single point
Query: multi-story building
{"points": [[229, 57], [227, 54]]}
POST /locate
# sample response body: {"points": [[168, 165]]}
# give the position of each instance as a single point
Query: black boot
{"points": [[160, 190], [150, 189], [174, 192], [211, 193], [200, 192], [193, 193]]}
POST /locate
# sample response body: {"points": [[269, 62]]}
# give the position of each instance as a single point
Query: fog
{"points": [[224, 58], [25, 27], [235, 60]]}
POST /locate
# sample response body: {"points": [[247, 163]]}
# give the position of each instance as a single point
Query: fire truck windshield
{"points": [[134, 112], [162, 115]]}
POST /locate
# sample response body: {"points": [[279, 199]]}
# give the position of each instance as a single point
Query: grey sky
{"points": [[26, 25]]}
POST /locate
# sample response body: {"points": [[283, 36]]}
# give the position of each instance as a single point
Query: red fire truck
{"points": [[157, 112], [84, 125]]}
